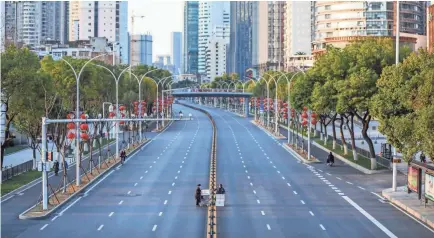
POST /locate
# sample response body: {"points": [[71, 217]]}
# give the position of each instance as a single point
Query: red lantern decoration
{"points": [[313, 121], [71, 135], [70, 116], [136, 103], [304, 122], [304, 108], [313, 115], [304, 115], [84, 127], [122, 108], [83, 116], [121, 123], [84, 136], [70, 125], [111, 114], [292, 110]]}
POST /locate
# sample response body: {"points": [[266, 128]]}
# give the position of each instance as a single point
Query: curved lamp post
{"points": [[117, 79]]}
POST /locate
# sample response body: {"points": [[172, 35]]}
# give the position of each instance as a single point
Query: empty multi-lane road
{"points": [[269, 192]]}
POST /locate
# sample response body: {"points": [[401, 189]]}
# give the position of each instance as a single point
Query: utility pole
{"points": [[394, 172]]}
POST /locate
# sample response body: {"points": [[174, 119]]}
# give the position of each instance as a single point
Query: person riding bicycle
{"points": [[123, 156], [180, 115], [190, 115], [330, 159]]}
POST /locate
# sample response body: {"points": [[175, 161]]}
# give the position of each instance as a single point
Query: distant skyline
{"points": [[161, 18]]}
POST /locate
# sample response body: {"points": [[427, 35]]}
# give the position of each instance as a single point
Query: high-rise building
{"points": [[338, 23], [214, 22], [191, 37], [297, 31], [268, 26], [215, 58], [100, 19], [430, 28], [32, 23], [176, 51], [140, 50], [239, 57]]}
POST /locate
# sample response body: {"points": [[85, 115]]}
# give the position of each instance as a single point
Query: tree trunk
{"points": [[34, 156], [334, 131], [368, 140], [322, 135], [344, 143], [325, 133], [351, 130]]}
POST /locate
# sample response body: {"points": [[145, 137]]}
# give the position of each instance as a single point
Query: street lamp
{"points": [[117, 101], [77, 111]]}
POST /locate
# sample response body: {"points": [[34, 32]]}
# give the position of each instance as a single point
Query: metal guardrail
{"points": [[9, 172], [211, 226]]}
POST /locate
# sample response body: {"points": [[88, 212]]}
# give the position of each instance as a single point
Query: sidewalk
{"points": [[411, 204]]}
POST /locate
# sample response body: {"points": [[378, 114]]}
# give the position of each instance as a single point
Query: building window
{"points": [[329, 34], [89, 30], [90, 10], [328, 7], [89, 24], [328, 25], [327, 16]]}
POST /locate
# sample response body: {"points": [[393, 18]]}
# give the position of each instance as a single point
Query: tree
{"points": [[18, 68], [404, 104]]}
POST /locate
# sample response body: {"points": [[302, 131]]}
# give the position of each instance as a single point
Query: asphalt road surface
{"points": [[271, 194], [151, 195]]}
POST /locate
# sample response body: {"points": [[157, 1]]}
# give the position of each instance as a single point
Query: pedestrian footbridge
{"points": [[211, 93]]}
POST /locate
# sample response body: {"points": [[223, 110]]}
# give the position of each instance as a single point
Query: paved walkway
{"points": [[411, 204]]}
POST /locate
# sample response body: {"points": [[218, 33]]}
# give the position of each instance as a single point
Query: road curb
{"points": [[299, 157], [409, 210], [352, 164], [35, 181], [78, 192]]}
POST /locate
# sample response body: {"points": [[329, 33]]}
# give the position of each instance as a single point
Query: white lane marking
{"points": [[158, 157], [100, 227], [295, 192], [283, 177], [180, 166], [274, 166], [179, 171], [289, 185], [246, 171], [349, 182], [278, 171], [268, 226], [135, 184], [311, 213], [254, 191], [338, 191], [331, 185], [129, 192], [146, 171], [378, 195], [176, 177], [371, 218], [120, 203], [160, 214], [154, 228], [54, 218], [78, 199], [43, 227], [170, 192], [328, 174], [165, 202], [334, 188], [111, 214], [263, 213], [259, 202], [248, 177], [342, 194], [141, 177], [173, 184], [338, 178], [302, 202], [251, 184], [242, 161], [320, 170], [150, 167], [244, 166], [322, 227], [361, 188]]}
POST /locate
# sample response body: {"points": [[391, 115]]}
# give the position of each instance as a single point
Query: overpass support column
{"points": [[246, 106]]}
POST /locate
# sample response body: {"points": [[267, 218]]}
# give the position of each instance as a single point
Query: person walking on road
{"points": [[197, 195], [221, 190], [56, 167], [330, 159]]}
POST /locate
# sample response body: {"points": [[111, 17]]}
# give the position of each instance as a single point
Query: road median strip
{"points": [[59, 199], [211, 225]]}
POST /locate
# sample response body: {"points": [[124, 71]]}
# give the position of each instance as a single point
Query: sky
{"points": [[161, 18]]}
